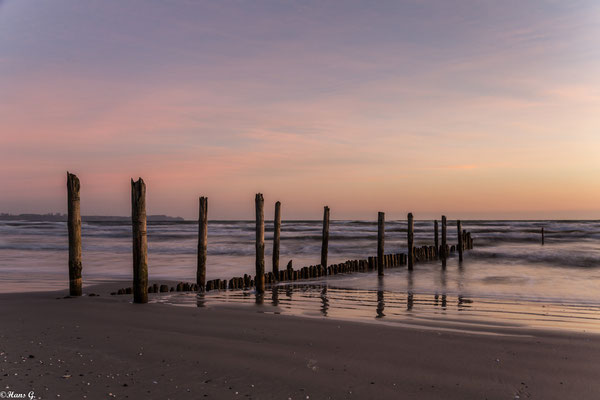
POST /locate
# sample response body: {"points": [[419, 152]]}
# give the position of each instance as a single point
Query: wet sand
{"points": [[106, 347]]}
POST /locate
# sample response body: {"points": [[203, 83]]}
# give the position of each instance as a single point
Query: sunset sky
{"points": [[475, 109]]}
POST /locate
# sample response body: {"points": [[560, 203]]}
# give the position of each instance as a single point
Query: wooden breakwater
{"points": [[140, 288], [370, 264]]}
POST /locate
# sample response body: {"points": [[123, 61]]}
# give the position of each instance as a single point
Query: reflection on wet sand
{"points": [[409, 286], [200, 301], [260, 298], [324, 301], [443, 285], [380, 298], [380, 304], [405, 308]]}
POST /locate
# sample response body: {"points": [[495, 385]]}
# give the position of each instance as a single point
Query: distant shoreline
{"points": [[57, 217]]}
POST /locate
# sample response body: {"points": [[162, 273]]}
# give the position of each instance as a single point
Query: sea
{"points": [[508, 264]]}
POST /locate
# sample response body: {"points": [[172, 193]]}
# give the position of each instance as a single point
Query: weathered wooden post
{"points": [[411, 241], [325, 238], [202, 244], [435, 232], [260, 244], [276, 238], [74, 228], [380, 242], [459, 233], [140, 241], [443, 250], [542, 236]]}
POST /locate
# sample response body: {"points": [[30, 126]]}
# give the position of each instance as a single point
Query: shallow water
{"points": [[435, 311], [508, 261]]}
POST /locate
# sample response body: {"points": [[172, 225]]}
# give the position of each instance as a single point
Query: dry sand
{"points": [[105, 347]]}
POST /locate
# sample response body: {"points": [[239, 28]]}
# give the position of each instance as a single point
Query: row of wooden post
{"points": [[140, 242]]}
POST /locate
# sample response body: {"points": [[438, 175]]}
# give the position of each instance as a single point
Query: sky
{"points": [[473, 109]]}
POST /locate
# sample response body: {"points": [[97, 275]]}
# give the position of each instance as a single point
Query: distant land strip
{"points": [[57, 217]]}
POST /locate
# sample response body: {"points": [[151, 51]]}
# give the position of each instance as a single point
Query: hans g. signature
{"points": [[10, 394]]}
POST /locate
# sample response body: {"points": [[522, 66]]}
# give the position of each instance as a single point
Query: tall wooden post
{"points": [[459, 232], [380, 242], [260, 244], [276, 239], [140, 241], [202, 243], [542, 236], [411, 241], [443, 251], [325, 243], [74, 228], [435, 232]]}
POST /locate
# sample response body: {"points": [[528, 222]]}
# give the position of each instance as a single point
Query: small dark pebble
{"points": [[125, 385], [31, 356]]}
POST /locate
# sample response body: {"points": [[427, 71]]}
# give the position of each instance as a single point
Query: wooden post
{"points": [[443, 251], [325, 238], [202, 243], [435, 232], [140, 241], [380, 242], [459, 232], [276, 238], [411, 241], [542, 236], [260, 244], [74, 228]]}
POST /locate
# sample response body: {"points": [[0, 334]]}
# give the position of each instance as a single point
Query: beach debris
{"points": [[67, 376], [312, 364]]}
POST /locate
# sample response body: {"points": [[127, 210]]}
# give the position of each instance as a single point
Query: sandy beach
{"points": [[105, 347]]}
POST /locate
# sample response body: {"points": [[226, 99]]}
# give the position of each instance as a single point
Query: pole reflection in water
{"points": [[409, 289], [461, 273], [443, 285], [380, 304], [380, 298], [275, 295], [260, 298], [324, 301], [200, 300], [332, 301]]}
